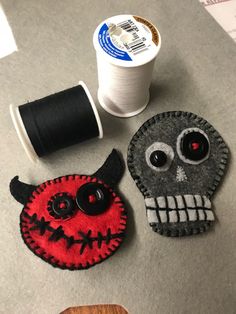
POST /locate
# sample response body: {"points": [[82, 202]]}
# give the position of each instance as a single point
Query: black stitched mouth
{"points": [[56, 234]]}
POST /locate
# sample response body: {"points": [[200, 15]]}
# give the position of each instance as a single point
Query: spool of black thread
{"points": [[57, 121]]}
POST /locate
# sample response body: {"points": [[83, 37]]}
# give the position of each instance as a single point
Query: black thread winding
{"points": [[176, 209], [185, 206], [203, 202], [59, 120], [195, 203], [157, 207], [56, 263], [40, 225], [176, 205], [183, 229], [86, 240]]}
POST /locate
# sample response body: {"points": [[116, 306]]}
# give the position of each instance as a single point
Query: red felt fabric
{"points": [[57, 253]]}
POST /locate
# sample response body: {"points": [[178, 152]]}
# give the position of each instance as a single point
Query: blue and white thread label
{"points": [[127, 40], [107, 45]]}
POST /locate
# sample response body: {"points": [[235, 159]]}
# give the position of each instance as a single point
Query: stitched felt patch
{"points": [[177, 160], [75, 221]]}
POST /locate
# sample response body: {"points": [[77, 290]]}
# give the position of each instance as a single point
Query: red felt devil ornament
{"points": [[75, 221]]}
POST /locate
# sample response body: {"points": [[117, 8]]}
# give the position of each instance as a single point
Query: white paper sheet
{"points": [[224, 12], [7, 41]]}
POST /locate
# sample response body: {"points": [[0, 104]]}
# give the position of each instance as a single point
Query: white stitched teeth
{"points": [[150, 202], [156, 216], [178, 201], [180, 208]]}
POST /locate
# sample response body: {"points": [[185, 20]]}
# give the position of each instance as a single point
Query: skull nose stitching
{"points": [[180, 174]]}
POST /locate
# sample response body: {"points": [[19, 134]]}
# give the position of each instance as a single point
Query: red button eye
{"points": [[62, 205], [195, 145], [92, 199]]}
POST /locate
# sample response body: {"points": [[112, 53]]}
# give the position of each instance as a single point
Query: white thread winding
{"points": [[126, 48]]}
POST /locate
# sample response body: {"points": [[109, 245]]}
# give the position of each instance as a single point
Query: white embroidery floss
{"points": [[126, 48]]}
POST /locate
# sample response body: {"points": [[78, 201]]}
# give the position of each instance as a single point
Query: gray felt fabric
{"points": [[202, 178], [195, 71]]}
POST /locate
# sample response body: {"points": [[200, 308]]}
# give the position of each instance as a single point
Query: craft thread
{"points": [[126, 48], [56, 121]]}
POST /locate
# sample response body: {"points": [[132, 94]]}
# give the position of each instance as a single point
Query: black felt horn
{"points": [[112, 169], [21, 191]]}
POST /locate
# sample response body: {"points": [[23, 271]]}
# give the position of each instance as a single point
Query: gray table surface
{"points": [[195, 71]]}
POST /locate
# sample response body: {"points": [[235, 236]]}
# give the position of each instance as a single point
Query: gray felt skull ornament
{"points": [[177, 160]]}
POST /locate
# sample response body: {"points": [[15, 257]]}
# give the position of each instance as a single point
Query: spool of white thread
{"points": [[126, 48]]}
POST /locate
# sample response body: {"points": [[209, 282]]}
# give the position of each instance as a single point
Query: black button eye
{"points": [[93, 198], [194, 146], [158, 158], [61, 206]]}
